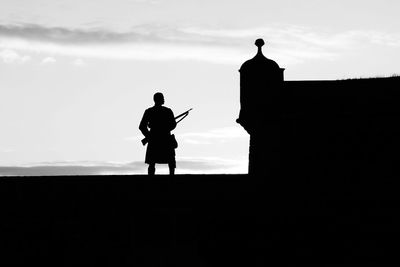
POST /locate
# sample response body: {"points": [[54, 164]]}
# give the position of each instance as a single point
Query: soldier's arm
{"points": [[144, 123], [172, 120]]}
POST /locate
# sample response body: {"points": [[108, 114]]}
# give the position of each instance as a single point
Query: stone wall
{"points": [[332, 128]]}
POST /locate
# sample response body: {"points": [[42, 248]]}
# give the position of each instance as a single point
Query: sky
{"points": [[76, 76]]}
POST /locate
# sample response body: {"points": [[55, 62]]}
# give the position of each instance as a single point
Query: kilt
{"points": [[160, 149]]}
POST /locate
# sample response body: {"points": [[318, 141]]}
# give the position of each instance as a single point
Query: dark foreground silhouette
{"points": [[195, 220]]}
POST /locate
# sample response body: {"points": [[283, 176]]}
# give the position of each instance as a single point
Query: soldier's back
{"points": [[159, 118]]}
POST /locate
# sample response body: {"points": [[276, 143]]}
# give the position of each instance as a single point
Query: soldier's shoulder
{"points": [[148, 112], [167, 109]]}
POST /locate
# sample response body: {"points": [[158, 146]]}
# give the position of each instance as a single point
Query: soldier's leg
{"points": [[152, 169], [171, 167]]}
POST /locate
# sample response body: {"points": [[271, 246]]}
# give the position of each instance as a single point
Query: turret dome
{"points": [[259, 61]]}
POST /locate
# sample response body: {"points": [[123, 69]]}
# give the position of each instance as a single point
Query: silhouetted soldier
{"points": [[161, 148]]}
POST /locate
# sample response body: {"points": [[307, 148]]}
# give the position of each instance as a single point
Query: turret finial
{"points": [[259, 43]]}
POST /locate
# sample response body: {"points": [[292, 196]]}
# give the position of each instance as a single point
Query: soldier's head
{"points": [[158, 99]]}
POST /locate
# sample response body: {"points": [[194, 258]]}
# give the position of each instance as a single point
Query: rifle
{"points": [[183, 115]]}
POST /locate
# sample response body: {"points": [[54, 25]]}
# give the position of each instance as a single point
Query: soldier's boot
{"points": [[171, 169], [152, 169]]}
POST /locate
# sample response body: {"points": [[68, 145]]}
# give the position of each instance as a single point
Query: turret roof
{"points": [[259, 61]]}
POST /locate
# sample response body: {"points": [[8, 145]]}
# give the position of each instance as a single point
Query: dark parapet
{"points": [[195, 220]]}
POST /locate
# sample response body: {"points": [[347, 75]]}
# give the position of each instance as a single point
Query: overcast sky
{"points": [[76, 76]]}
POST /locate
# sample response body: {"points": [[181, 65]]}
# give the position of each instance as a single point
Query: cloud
{"points": [[184, 166], [379, 38], [211, 166], [289, 35], [131, 51], [294, 44], [61, 35], [73, 168], [10, 56], [220, 135], [48, 60], [287, 44], [213, 136]]}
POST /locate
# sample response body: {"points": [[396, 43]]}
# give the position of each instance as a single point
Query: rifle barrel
{"points": [[184, 113]]}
